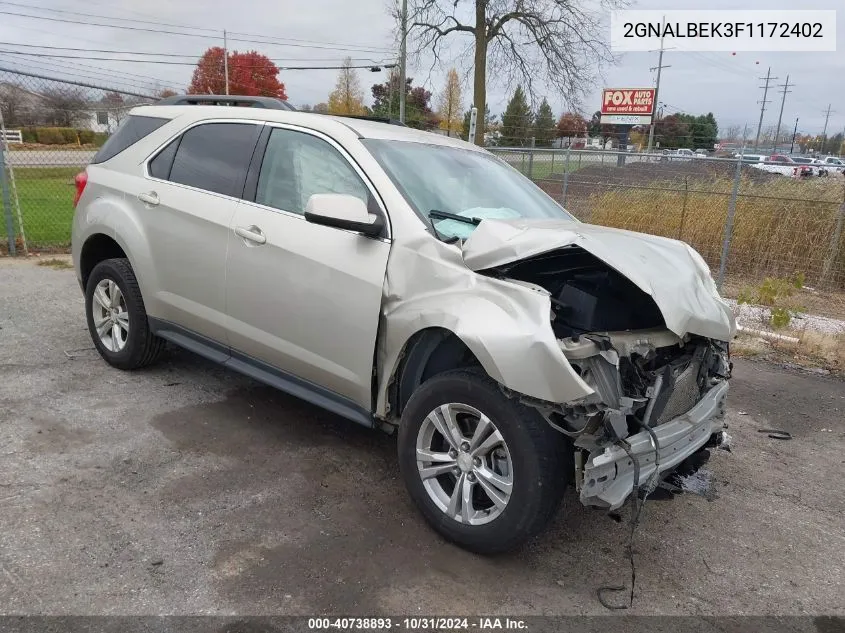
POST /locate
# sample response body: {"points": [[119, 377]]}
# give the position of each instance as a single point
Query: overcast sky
{"points": [[322, 32]]}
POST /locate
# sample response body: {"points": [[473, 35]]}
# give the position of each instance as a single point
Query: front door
{"points": [[305, 298]]}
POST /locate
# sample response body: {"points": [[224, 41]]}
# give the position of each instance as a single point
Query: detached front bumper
{"points": [[609, 476]]}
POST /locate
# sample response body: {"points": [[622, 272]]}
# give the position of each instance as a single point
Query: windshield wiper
{"points": [[445, 215]]}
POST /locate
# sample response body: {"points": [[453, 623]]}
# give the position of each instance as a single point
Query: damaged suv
{"points": [[411, 282]]}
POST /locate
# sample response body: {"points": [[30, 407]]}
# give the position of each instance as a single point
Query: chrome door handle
{"points": [[150, 198], [251, 233]]}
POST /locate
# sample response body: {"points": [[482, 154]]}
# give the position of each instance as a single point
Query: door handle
{"points": [[251, 233], [150, 198]]}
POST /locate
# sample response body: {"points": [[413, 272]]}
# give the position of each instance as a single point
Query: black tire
{"points": [[142, 346], [541, 457]]}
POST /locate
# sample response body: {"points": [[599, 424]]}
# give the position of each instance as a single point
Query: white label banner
{"points": [[625, 119], [708, 30]]}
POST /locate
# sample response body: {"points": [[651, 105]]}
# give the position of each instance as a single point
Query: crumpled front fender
{"points": [[506, 325]]}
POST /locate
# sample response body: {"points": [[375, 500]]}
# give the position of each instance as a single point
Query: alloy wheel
{"points": [[464, 464]]}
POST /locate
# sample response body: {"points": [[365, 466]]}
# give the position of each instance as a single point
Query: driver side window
{"points": [[297, 165]]}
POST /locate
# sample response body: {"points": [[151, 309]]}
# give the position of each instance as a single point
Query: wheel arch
{"points": [[427, 353], [97, 248]]}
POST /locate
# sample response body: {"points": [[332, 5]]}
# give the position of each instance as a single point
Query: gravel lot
{"points": [[185, 489]]}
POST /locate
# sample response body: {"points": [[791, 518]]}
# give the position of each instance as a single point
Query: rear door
{"points": [[303, 298], [187, 200]]}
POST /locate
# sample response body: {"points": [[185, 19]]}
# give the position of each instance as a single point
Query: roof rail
{"points": [[365, 117], [270, 103]]}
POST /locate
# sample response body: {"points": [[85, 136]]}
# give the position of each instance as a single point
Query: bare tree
{"points": [[733, 133], [13, 104], [540, 44], [66, 106]]}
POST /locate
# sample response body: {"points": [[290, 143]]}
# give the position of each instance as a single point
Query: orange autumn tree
{"points": [[250, 73]]}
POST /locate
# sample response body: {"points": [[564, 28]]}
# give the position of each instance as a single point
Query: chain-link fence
{"points": [[49, 130], [751, 222], [764, 229]]}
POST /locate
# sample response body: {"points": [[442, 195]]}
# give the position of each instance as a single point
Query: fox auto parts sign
{"points": [[627, 106]]}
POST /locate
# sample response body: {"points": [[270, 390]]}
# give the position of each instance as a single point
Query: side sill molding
{"points": [[261, 371]]}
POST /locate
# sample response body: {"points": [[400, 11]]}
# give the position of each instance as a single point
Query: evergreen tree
{"points": [[544, 125], [517, 121]]}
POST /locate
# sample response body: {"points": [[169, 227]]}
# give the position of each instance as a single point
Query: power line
{"points": [[215, 32], [174, 63], [265, 39], [170, 63], [75, 83], [190, 56], [274, 39], [763, 103], [38, 66]]}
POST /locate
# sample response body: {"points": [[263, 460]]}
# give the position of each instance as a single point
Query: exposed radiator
{"points": [[685, 394]]}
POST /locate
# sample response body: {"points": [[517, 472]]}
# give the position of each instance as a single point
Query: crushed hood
{"points": [[674, 274]]}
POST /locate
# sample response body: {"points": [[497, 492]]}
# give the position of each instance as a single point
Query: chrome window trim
{"points": [[287, 126], [352, 163], [158, 150]]}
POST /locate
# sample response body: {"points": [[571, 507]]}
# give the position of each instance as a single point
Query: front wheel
{"points": [[486, 471]]}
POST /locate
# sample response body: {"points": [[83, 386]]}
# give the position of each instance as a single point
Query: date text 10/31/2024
{"points": [[479, 623]]}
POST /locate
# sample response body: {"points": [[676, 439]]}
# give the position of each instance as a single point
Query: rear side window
{"points": [[161, 164], [132, 130], [215, 157]]}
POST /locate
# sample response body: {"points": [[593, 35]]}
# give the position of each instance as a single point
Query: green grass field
{"points": [[46, 199]]}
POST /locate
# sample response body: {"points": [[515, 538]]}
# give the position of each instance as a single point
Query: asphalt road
{"points": [[185, 489]]}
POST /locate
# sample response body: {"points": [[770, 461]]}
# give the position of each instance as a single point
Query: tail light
{"points": [[80, 181]]}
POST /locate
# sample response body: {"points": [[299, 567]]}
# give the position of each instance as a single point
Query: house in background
{"points": [[63, 107]]}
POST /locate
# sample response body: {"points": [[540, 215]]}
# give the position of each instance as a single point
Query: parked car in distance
{"points": [[751, 158], [783, 165], [817, 167], [676, 155], [835, 163], [702, 153], [515, 351]]}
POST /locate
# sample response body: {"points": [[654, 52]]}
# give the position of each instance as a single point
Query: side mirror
{"points": [[342, 212]]}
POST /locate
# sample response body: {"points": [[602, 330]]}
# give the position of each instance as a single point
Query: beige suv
{"points": [[409, 281]]}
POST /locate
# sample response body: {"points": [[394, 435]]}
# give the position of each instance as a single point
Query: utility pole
{"points": [[763, 103], [403, 55], [785, 87], [824, 133], [226, 61], [794, 134], [659, 67]]}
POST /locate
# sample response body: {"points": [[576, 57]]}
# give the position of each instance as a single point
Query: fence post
{"points": [[565, 177], [531, 158], [7, 202], [684, 208], [729, 223], [834, 242]]}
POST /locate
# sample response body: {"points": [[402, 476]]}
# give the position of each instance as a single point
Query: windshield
{"points": [[465, 183]]}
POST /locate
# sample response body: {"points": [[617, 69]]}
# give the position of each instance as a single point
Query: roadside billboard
{"points": [[627, 106]]}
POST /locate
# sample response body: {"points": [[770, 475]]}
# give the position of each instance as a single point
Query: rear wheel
{"points": [[117, 320], [485, 471]]}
